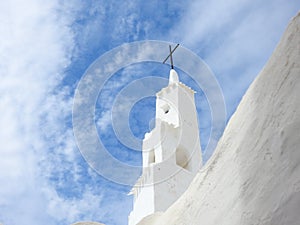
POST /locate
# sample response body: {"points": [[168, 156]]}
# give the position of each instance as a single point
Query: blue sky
{"points": [[45, 48]]}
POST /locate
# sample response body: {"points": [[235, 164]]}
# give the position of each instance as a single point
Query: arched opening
{"points": [[166, 108], [151, 157]]}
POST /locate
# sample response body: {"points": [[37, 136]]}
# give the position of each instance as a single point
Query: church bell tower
{"points": [[171, 151]]}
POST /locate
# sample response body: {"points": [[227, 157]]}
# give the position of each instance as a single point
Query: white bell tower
{"points": [[171, 151]]}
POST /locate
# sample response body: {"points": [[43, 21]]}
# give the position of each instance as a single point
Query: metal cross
{"points": [[170, 55]]}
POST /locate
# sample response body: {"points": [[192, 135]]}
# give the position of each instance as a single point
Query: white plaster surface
{"points": [[171, 152], [173, 78], [253, 178]]}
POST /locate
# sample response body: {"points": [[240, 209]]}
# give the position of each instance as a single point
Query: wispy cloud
{"points": [[44, 49], [36, 44], [235, 38]]}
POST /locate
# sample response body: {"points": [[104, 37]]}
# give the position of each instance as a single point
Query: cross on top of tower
{"points": [[170, 55]]}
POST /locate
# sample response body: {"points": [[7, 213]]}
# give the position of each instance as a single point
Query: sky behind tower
{"points": [[45, 48]]}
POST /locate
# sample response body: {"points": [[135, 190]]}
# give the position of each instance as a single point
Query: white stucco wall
{"points": [[171, 152], [140, 210], [167, 192], [253, 178]]}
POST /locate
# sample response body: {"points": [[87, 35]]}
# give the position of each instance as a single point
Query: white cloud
{"points": [[37, 44], [205, 18], [35, 48], [104, 120], [235, 38], [73, 210]]}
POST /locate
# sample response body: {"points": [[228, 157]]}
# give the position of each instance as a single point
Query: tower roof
{"points": [[173, 77], [174, 81]]}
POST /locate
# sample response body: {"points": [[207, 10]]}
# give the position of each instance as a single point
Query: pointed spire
{"points": [[173, 77]]}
